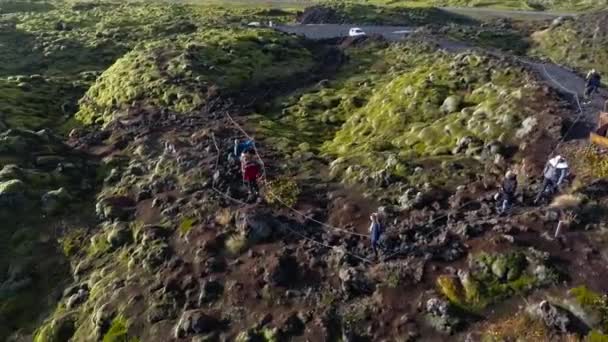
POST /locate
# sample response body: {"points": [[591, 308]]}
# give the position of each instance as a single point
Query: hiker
{"points": [[239, 148], [593, 83], [506, 196], [554, 174], [375, 230], [251, 171]]}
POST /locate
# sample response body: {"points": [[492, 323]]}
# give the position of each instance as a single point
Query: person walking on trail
{"points": [[375, 230], [593, 83], [251, 171], [506, 196], [555, 172]]}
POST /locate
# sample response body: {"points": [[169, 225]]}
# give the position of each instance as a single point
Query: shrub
{"points": [[236, 244], [282, 191], [186, 225], [588, 163]]}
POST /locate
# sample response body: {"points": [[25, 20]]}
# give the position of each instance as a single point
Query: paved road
{"points": [[328, 31]]}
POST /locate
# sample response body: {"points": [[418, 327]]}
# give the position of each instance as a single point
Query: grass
{"points": [[236, 244], [118, 331], [282, 191], [520, 327]]}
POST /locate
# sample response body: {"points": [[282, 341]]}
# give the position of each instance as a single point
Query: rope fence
{"points": [[346, 231]]}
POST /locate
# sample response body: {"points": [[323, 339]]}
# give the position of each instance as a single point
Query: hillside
{"points": [[123, 216]]}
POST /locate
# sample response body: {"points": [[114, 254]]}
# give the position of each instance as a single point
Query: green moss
{"points": [[71, 243], [186, 225], [382, 113], [181, 73], [596, 336], [491, 278], [98, 246], [282, 191], [118, 331], [56, 330], [585, 297]]}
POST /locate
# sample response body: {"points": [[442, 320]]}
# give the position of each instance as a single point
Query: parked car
{"points": [[356, 32]]}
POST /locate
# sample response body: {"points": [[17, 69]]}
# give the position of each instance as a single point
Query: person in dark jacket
{"points": [[593, 83], [251, 171], [507, 192], [555, 172], [375, 231]]}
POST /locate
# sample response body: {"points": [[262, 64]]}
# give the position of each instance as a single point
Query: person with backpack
{"points": [[375, 229], [251, 171], [506, 196], [593, 83], [555, 172], [239, 148]]}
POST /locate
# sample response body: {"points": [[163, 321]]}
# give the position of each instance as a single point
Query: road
{"points": [[329, 31], [560, 78]]}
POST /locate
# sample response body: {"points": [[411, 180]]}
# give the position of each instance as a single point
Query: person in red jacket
{"points": [[251, 171]]}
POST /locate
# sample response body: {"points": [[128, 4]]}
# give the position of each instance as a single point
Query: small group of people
{"points": [[555, 172], [250, 166]]}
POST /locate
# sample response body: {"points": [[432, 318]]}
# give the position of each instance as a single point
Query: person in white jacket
{"points": [[555, 172]]}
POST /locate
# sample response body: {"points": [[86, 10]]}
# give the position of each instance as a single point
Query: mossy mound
{"points": [[426, 103], [492, 278], [38, 175], [32, 102], [72, 38], [580, 43], [182, 74], [337, 12]]}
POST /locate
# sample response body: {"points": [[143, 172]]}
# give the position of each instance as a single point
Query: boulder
{"points": [[102, 319], [55, 201], [77, 298], [194, 322], [555, 318], [11, 171], [319, 15], [119, 235], [442, 316], [284, 272], [119, 207], [12, 193], [58, 329], [353, 282], [160, 312], [451, 104], [254, 226], [292, 326], [210, 291]]}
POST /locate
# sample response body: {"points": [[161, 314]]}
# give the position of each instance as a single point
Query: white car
{"points": [[356, 32]]}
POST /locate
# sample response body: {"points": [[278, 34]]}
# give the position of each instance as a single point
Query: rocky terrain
{"points": [[123, 219]]}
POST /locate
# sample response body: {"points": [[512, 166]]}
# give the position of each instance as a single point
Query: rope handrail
{"points": [[287, 227], [551, 78]]}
